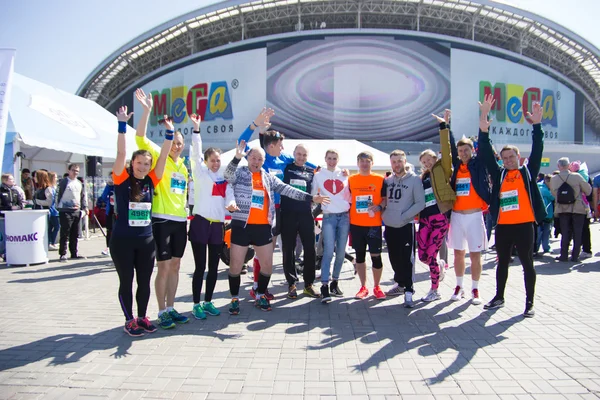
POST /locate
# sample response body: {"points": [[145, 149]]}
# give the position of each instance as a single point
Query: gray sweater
{"points": [[405, 199], [240, 182]]}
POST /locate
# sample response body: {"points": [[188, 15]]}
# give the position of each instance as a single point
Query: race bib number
{"points": [[463, 187], [363, 203], [298, 184], [178, 183], [276, 172], [509, 201], [258, 199], [139, 214], [429, 197]]}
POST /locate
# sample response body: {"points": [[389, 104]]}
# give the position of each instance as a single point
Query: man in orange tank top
{"points": [[516, 203]]}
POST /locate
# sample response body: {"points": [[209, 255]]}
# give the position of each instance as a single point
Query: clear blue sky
{"points": [[59, 42]]}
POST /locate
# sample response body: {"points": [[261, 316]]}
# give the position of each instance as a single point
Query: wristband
{"points": [[169, 134], [196, 131], [122, 127], [254, 123]]}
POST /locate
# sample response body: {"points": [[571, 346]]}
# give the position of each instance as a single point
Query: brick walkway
{"points": [[61, 337]]}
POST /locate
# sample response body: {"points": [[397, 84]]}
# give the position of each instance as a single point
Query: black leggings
{"points": [[521, 236], [214, 254], [129, 254]]}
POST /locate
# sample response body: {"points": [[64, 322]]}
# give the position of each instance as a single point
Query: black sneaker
{"points": [[292, 292], [561, 259], [529, 311], [325, 298], [78, 257], [335, 290], [495, 303]]}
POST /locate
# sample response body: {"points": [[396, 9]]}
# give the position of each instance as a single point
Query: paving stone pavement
{"points": [[61, 337]]}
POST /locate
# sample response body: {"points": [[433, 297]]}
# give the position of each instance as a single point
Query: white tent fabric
{"points": [[348, 150], [53, 125]]}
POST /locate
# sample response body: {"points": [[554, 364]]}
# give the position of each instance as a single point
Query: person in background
{"points": [[10, 199], [595, 189], [107, 199], [43, 199], [27, 183], [543, 236], [71, 200], [53, 219], [191, 195]]}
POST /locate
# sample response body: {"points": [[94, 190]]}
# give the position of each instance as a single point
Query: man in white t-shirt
{"points": [[333, 183]]}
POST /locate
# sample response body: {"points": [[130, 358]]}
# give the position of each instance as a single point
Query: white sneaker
{"points": [[443, 267], [433, 295], [408, 300], [459, 293], [106, 252], [475, 299], [583, 255], [52, 247]]}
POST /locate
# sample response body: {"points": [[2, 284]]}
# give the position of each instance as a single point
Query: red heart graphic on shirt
{"points": [[333, 186]]}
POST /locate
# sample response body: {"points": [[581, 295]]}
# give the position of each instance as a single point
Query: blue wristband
{"points": [[169, 134], [122, 127]]}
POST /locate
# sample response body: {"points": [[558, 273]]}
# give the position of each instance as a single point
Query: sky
{"points": [[60, 42]]}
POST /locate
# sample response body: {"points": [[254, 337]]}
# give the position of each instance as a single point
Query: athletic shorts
{"points": [[467, 231], [363, 236], [170, 237], [276, 231], [204, 231], [251, 234]]}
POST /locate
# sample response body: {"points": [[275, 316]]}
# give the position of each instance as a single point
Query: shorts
{"points": [[363, 236], [276, 231], [467, 231], [170, 237], [204, 231], [251, 234]]}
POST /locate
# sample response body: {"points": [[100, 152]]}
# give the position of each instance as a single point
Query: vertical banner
{"points": [[7, 63]]}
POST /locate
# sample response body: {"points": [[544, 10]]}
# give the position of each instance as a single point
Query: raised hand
{"points": [[536, 116], [264, 117], [122, 115], [484, 109], [321, 199], [145, 101], [196, 120], [447, 115], [167, 122], [240, 150], [265, 127]]}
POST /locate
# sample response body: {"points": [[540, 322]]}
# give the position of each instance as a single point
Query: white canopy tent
{"points": [[348, 150], [53, 128]]}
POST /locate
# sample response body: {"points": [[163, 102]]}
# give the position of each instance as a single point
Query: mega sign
{"points": [[179, 102]]}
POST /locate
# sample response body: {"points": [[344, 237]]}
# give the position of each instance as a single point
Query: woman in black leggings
{"points": [[132, 246]]}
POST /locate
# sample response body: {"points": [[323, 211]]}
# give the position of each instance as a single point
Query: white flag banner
{"points": [[7, 64]]}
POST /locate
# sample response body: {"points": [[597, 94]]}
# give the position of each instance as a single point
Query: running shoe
{"points": [[529, 311], [63, 259], [198, 312], [408, 300], [310, 292], [253, 293], [263, 303], [269, 295], [106, 252], [244, 270], [396, 290], [178, 318], [334, 289], [165, 321], [459, 293], [432, 295], [292, 292], [234, 307], [379, 295], [52, 247], [210, 308], [362, 293], [443, 268], [132, 329], [146, 325], [584, 255], [475, 299], [325, 297], [495, 303], [78, 257]]}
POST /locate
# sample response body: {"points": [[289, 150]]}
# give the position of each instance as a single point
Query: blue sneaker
{"points": [[263, 303], [210, 309], [165, 321], [234, 308], [178, 318], [198, 312], [132, 329]]}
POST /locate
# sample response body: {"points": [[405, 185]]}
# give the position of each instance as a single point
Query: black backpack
{"points": [[565, 193]]}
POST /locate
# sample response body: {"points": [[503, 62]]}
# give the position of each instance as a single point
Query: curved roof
{"points": [[524, 35]]}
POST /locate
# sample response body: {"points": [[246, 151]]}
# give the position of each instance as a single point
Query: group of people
{"points": [[276, 194]]}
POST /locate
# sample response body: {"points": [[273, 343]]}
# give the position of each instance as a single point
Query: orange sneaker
{"points": [[362, 293], [379, 295]]}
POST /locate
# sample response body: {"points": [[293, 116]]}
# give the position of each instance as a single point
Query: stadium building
{"points": [[367, 70]]}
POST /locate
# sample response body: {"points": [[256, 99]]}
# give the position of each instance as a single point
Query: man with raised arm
{"points": [[516, 202]]}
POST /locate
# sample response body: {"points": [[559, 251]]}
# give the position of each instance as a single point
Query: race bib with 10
{"points": [[139, 214]]}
